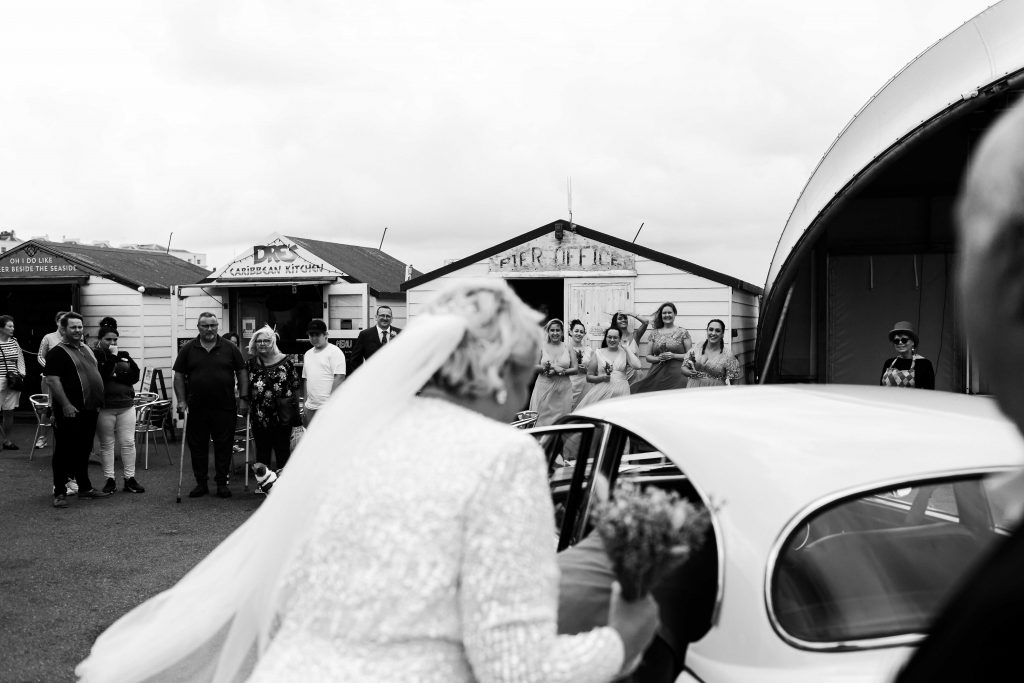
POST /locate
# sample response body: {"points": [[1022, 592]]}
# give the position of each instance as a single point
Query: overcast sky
{"points": [[454, 124]]}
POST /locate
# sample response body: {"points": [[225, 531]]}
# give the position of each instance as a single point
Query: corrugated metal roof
{"points": [[950, 73], [132, 267], [382, 272]]}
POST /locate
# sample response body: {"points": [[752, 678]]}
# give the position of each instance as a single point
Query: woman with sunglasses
{"points": [[907, 368]]}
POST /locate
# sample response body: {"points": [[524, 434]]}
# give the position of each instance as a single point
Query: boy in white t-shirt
{"points": [[323, 370]]}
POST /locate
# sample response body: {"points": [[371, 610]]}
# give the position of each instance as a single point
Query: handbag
{"points": [[288, 411], [15, 380]]}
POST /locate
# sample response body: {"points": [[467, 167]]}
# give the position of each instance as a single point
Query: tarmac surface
{"points": [[67, 574]]}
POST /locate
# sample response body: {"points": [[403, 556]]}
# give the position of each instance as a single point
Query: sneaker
{"points": [[41, 442], [10, 446], [60, 500], [223, 491], [132, 486], [199, 491], [93, 494], [110, 486], [72, 487]]}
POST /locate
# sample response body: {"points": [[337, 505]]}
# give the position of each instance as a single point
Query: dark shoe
{"points": [[199, 491], [110, 486], [93, 494], [223, 491], [10, 446], [132, 486], [60, 501]]}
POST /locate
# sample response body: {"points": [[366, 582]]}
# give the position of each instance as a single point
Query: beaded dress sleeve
{"points": [[510, 585]]}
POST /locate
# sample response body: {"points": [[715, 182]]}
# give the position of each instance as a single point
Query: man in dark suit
{"points": [[979, 634], [369, 341]]}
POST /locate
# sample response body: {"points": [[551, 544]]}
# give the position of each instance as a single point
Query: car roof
{"points": [[787, 446]]}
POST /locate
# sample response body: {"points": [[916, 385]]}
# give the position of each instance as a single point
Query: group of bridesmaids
{"points": [[573, 374]]}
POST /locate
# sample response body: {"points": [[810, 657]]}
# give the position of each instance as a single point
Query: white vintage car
{"points": [[842, 517]]}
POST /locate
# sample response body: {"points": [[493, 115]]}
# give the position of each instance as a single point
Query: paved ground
{"points": [[65, 575]]}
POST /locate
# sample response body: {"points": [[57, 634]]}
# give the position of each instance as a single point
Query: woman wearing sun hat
{"points": [[907, 368]]}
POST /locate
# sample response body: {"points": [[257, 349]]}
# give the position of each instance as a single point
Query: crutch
{"points": [[246, 466], [181, 460]]}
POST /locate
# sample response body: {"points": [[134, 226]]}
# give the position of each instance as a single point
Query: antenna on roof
{"points": [[638, 232], [169, 242], [568, 187], [382, 237]]}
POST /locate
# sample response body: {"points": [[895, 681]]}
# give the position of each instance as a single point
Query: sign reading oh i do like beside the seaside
{"points": [[571, 253], [40, 264]]}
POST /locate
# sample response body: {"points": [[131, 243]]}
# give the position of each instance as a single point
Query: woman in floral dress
{"points": [[552, 394], [606, 371], [274, 387], [713, 365], [669, 345]]}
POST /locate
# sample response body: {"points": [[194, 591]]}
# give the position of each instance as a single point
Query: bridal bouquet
{"points": [[608, 368], [647, 534]]}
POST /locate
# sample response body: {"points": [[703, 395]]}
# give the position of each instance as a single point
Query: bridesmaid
{"points": [[577, 333], [630, 340], [714, 366], [607, 369], [669, 345], [552, 394]]}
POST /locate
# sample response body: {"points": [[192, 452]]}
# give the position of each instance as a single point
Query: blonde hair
{"points": [[266, 331], [500, 331]]}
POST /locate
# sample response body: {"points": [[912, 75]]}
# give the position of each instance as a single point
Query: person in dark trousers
{"points": [[978, 635], [77, 390], [205, 374]]}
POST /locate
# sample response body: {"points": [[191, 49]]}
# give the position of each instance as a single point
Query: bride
{"points": [[410, 538]]}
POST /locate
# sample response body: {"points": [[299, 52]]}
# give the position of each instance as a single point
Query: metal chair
{"points": [[44, 418], [143, 397], [150, 419], [525, 419]]}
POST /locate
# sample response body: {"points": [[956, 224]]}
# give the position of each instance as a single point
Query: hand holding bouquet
{"points": [[691, 362], [547, 368], [647, 534]]}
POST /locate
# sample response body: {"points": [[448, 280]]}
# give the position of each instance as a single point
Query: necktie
{"points": [[384, 337]]}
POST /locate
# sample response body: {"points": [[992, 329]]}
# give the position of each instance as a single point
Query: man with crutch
{"points": [[205, 374]]}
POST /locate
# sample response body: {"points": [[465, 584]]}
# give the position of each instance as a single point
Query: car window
{"points": [[572, 454], [880, 564]]}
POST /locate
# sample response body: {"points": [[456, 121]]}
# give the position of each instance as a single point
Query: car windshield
{"points": [[881, 564]]}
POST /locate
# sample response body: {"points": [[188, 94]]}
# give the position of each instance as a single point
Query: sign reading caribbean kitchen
{"points": [[571, 253], [278, 258], [40, 264]]}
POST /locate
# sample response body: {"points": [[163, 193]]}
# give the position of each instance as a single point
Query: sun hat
{"points": [[903, 326]]}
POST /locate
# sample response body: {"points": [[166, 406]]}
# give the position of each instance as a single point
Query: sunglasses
{"points": [[900, 340]]}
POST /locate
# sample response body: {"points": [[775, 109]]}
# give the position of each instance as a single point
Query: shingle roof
{"points": [[382, 272], [132, 267]]}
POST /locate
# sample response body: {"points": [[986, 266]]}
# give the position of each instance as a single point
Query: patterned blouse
{"points": [[267, 383]]}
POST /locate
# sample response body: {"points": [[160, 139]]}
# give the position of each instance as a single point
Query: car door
{"points": [[574, 452]]}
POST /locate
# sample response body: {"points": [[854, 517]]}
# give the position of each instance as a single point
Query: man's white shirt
{"points": [[318, 369]]}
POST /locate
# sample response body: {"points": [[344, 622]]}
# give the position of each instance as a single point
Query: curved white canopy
{"points": [[984, 50]]}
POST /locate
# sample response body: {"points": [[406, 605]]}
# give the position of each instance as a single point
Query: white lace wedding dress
{"points": [[433, 560]]}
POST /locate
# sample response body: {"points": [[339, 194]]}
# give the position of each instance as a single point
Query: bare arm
{"points": [[596, 375], [631, 358], [179, 391], [338, 379]]}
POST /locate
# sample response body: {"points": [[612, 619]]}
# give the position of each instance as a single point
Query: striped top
{"points": [[11, 356]]}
